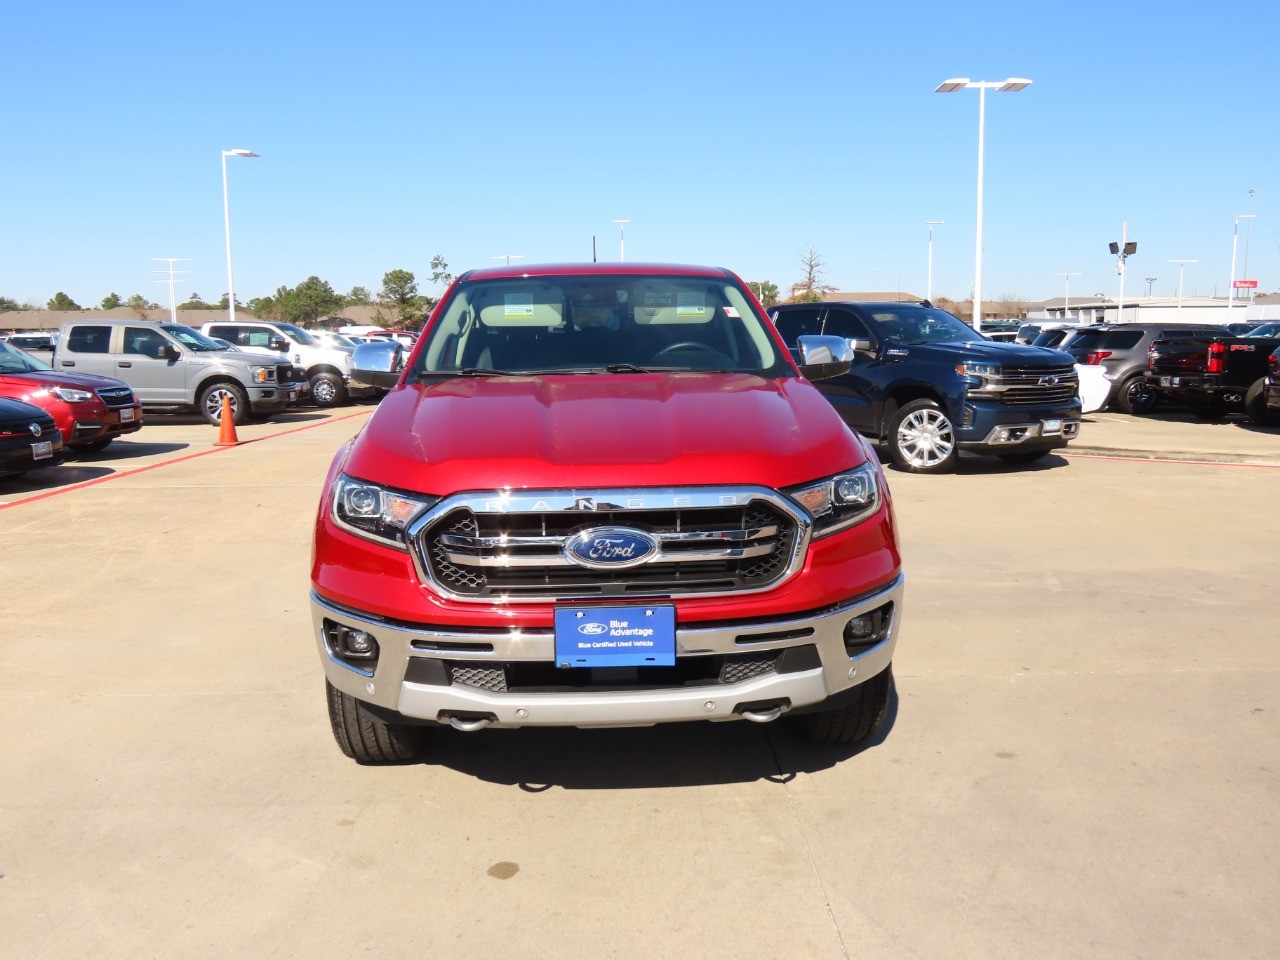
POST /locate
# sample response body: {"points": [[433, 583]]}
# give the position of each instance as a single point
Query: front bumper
{"points": [[827, 669], [270, 399], [1273, 393], [986, 427]]}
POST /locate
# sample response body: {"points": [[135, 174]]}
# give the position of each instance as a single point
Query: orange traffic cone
{"points": [[226, 426]]}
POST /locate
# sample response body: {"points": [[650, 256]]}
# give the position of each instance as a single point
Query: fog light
{"points": [[1004, 436], [859, 628], [360, 643]]}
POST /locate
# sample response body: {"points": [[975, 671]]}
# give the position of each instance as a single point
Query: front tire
{"points": [[366, 739], [210, 403], [1256, 409], [859, 719], [1136, 396], [922, 438], [328, 390]]}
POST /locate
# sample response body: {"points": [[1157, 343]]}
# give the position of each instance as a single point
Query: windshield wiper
{"points": [[626, 368]]}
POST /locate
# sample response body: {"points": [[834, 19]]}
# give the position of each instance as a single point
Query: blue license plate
{"points": [[616, 636]]}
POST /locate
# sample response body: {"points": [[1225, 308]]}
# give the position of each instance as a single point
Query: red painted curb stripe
{"points": [[1190, 463], [166, 463]]}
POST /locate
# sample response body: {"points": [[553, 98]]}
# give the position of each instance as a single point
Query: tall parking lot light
{"points": [[1235, 241], [622, 239], [1012, 85], [1181, 264], [929, 286], [1066, 293], [226, 217]]}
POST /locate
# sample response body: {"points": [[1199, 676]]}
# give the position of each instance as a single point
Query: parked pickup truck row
{"points": [[1217, 375]]}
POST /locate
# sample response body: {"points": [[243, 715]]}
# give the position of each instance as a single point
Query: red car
{"points": [[603, 495], [89, 411]]}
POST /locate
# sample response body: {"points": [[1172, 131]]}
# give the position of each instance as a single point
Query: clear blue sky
{"points": [[733, 134]]}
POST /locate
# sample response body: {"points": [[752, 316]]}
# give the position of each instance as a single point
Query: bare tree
{"points": [[811, 288]]}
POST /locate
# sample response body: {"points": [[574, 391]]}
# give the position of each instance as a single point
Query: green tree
{"points": [[60, 301], [6, 304], [193, 302], [358, 297], [308, 301], [440, 274], [111, 301], [765, 291], [400, 294]]}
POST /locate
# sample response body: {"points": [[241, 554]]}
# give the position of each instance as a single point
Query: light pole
{"points": [[1012, 85], [508, 257], [1248, 232], [1122, 252], [226, 217], [1150, 281], [622, 239], [1181, 264], [1235, 240], [173, 307], [1066, 292], [929, 287]]}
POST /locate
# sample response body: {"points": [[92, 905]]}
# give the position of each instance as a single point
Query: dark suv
{"points": [[1121, 350]]}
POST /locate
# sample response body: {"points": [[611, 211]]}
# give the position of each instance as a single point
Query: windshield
{"points": [[1265, 330], [15, 361], [600, 324], [299, 334], [922, 325], [189, 338], [336, 340]]}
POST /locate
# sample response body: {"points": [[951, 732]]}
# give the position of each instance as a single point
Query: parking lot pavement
{"points": [[1083, 759], [1177, 435]]}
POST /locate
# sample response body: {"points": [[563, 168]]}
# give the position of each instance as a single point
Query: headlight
{"points": [[840, 501], [374, 512], [263, 374], [977, 377], [67, 395]]}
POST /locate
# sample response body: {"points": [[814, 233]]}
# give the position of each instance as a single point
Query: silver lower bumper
{"points": [[386, 686], [1011, 434]]}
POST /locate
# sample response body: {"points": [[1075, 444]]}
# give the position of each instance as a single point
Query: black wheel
{"points": [[328, 390], [1136, 396], [92, 446], [857, 720], [210, 403], [922, 439], [1207, 408], [366, 739], [1256, 409], [1025, 456]]}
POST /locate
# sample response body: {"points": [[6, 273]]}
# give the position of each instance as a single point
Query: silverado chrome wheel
{"points": [[925, 438]]}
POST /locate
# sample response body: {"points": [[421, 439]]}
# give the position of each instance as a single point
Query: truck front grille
{"points": [[539, 677], [1039, 386], [702, 547]]}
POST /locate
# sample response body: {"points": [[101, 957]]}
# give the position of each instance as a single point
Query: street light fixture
{"points": [[622, 239], [1150, 281], [226, 217], [1235, 240], [1122, 251], [929, 287], [1066, 292], [1011, 85], [1181, 264], [508, 257], [173, 307]]}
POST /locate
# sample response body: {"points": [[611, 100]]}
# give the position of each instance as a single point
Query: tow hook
{"points": [[469, 722]]}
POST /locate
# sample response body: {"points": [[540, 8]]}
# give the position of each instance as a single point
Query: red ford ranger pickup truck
{"points": [[603, 495]]}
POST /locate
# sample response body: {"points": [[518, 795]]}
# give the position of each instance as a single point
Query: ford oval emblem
{"points": [[610, 548], [592, 629]]}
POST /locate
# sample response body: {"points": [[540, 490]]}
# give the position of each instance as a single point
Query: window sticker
{"points": [[517, 306], [732, 313], [691, 304], [653, 298]]}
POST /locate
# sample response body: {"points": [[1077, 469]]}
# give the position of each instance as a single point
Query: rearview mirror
{"points": [[377, 364], [824, 357]]}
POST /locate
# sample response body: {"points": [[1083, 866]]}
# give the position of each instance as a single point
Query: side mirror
{"points": [[170, 352], [860, 346], [822, 358], [278, 343], [377, 364]]}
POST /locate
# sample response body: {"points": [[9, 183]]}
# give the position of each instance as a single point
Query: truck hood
{"points": [[602, 430], [993, 351]]}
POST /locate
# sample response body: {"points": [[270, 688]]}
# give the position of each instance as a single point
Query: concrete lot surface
{"points": [[1083, 759]]}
